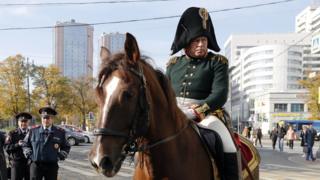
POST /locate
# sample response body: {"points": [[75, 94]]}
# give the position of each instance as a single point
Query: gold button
{"points": [[183, 83], [193, 67], [187, 93], [191, 74], [189, 83], [186, 75], [181, 93]]}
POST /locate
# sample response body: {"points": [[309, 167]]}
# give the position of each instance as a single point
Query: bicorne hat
{"points": [[23, 116], [194, 22], [47, 111]]}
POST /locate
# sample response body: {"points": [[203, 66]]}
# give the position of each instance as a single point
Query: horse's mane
{"points": [[119, 61]]}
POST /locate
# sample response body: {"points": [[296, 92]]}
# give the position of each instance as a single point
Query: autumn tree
{"points": [[312, 85], [51, 89], [13, 92], [83, 97]]}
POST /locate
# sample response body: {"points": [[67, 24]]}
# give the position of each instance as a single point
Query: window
{"points": [[280, 107], [297, 107]]}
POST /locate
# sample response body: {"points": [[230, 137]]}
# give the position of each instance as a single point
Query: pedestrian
{"points": [[245, 132], [3, 163], [200, 80], [45, 145], [281, 132], [291, 136], [19, 163], [309, 142], [303, 140], [273, 137], [259, 136], [254, 136]]}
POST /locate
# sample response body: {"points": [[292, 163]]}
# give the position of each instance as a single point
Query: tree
{"points": [[83, 101], [312, 85], [13, 93], [51, 89]]}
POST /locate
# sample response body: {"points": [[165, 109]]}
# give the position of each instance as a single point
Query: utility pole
{"points": [[28, 85]]}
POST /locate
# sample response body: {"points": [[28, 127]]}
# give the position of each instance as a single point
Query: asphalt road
{"points": [[77, 167], [275, 165]]}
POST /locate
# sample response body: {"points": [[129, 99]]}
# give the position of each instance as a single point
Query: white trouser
{"points": [[211, 122]]}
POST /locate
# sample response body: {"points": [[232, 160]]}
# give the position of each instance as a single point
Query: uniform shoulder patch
{"points": [[220, 58], [172, 60], [60, 129]]}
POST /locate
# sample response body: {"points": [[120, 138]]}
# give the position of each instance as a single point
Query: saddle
{"points": [[226, 163]]}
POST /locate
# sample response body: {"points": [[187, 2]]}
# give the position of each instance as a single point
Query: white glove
{"points": [[190, 114]]}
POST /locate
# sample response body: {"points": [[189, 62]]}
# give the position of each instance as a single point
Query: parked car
{"points": [[88, 136], [74, 138]]}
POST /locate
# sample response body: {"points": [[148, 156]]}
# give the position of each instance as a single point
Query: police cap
{"points": [[47, 111], [23, 116]]}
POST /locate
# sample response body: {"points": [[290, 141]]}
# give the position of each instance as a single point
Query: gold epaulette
{"points": [[172, 60], [220, 58]]}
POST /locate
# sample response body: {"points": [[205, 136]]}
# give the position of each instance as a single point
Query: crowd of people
{"points": [[280, 134]]}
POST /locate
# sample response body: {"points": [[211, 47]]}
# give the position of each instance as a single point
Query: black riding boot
{"points": [[232, 166]]}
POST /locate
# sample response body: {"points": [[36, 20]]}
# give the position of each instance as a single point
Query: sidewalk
{"points": [[296, 154]]}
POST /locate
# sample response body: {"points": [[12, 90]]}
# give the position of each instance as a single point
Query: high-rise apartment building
{"points": [[113, 41], [264, 62], [73, 49]]}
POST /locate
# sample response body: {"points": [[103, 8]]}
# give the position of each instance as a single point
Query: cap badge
{"points": [[56, 146], [204, 16]]}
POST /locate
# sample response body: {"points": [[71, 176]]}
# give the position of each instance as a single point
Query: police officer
{"points": [[200, 81], [45, 145], [13, 146], [3, 163]]}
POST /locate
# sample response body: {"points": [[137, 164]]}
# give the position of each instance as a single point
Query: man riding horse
{"points": [[200, 81]]}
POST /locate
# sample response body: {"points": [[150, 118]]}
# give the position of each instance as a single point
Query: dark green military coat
{"points": [[203, 79]]}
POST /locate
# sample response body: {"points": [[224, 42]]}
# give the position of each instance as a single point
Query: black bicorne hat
{"points": [[193, 23], [47, 111], [23, 116]]}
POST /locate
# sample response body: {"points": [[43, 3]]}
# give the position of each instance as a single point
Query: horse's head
{"points": [[123, 107]]}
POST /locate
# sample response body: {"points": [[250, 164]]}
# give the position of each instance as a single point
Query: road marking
{"points": [[288, 167], [124, 174], [78, 162], [82, 172]]}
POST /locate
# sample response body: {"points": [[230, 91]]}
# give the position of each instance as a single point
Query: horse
{"points": [[139, 113]]}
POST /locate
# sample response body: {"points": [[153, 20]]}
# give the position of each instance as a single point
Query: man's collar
{"points": [[49, 128]]}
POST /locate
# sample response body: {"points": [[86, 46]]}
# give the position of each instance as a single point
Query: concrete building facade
{"points": [[73, 49], [113, 41]]}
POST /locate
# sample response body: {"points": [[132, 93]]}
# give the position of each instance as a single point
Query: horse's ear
{"points": [[104, 54], [131, 48]]}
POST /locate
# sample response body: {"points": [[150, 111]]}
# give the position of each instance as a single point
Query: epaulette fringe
{"points": [[220, 58], [173, 60]]}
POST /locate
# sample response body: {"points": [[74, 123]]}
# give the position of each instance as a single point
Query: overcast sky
{"points": [[154, 37]]}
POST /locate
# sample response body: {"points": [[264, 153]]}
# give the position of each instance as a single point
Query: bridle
{"points": [[140, 122]]}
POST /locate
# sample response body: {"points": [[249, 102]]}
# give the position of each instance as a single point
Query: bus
{"points": [[297, 125]]}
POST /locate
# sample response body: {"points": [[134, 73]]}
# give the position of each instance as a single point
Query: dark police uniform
{"points": [[3, 164], [44, 147], [19, 163], [201, 86]]}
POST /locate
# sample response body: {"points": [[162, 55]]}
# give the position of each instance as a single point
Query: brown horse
{"points": [[138, 112]]}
